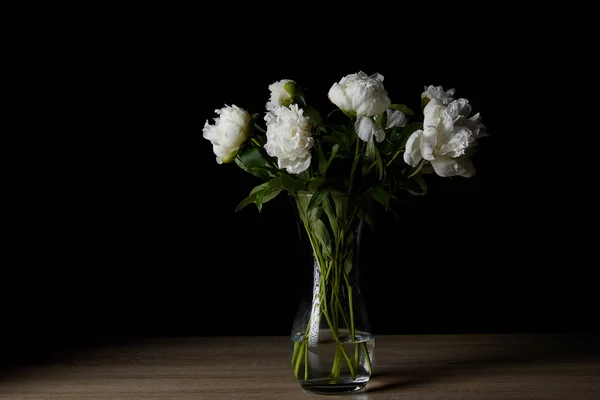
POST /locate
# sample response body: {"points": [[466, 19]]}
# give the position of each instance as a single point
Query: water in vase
{"points": [[324, 364]]}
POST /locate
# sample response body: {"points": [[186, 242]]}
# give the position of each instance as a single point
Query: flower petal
{"points": [[412, 152], [459, 107], [437, 123], [364, 128], [446, 166], [294, 166], [395, 118], [379, 133], [210, 132], [337, 95], [289, 137]]}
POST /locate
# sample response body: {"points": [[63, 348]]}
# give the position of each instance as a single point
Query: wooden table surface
{"points": [[490, 367]]}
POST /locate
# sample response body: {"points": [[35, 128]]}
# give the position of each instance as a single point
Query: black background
{"points": [[129, 228]]}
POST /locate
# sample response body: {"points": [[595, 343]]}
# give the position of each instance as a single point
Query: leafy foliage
{"points": [[341, 161]]}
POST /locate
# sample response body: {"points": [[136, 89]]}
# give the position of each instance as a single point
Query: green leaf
{"points": [[314, 183], [382, 196], [259, 199], [403, 108], [368, 157], [252, 158], [261, 194], [395, 135], [322, 160], [261, 173], [337, 128], [415, 186], [379, 162], [269, 193], [302, 202], [333, 221], [313, 114], [348, 263], [337, 137], [351, 134], [254, 116], [334, 151], [304, 175], [417, 169], [299, 99], [290, 183], [322, 235], [318, 197], [252, 196], [252, 161], [422, 184], [349, 250], [315, 214], [341, 204], [402, 135], [381, 119], [333, 111]]}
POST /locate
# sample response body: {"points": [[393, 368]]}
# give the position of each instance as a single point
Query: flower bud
{"points": [[282, 94]]}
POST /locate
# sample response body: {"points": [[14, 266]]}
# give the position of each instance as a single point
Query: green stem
{"points": [[295, 353], [332, 276], [335, 368], [339, 304], [341, 347], [354, 164], [351, 308], [334, 300], [301, 351], [394, 156], [306, 362]]}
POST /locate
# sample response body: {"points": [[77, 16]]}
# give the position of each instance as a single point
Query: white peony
{"points": [[446, 137], [282, 93], [289, 138], [362, 96], [438, 93], [228, 133]]}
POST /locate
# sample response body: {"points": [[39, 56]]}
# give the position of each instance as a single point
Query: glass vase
{"points": [[333, 346]]}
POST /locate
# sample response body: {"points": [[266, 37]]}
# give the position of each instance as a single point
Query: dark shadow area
{"points": [[548, 349], [18, 353]]}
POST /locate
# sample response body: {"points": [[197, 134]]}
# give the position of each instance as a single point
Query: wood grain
{"points": [[406, 367]]}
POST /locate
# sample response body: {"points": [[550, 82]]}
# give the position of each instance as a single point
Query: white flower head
{"points": [[445, 139], [438, 93], [229, 131], [282, 93], [362, 96], [289, 138]]}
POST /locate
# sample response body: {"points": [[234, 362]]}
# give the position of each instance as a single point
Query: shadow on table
{"points": [[22, 352], [528, 350]]}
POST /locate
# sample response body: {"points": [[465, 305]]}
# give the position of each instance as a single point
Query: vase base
{"points": [[328, 387]]}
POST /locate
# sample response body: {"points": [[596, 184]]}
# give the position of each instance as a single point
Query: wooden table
{"points": [[490, 367]]}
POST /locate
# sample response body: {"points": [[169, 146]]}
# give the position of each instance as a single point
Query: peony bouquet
{"points": [[335, 166]]}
